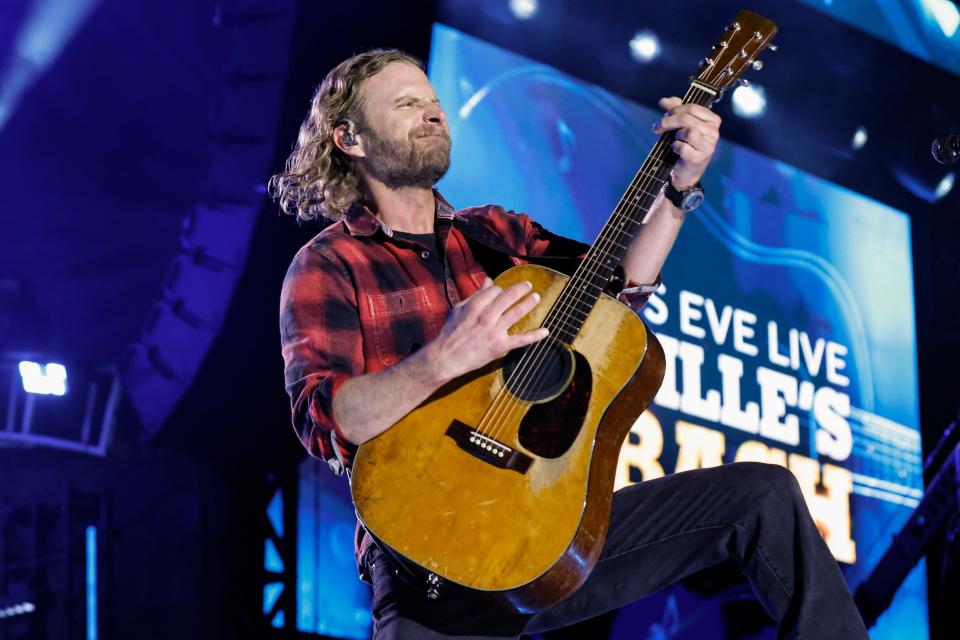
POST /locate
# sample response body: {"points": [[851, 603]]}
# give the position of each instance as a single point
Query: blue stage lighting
{"points": [[42, 37], [749, 101], [946, 15], [19, 609], [91, 547], [644, 46], [944, 186], [859, 138], [50, 379], [523, 9]]}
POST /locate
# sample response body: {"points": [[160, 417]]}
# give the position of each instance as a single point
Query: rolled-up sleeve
{"points": [[321, 342], [635, 295]]}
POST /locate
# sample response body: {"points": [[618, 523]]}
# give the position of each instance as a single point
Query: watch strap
{"points": [[677, 197]]}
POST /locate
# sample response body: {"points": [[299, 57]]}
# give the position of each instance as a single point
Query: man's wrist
{"points": [[685, 200], [427, 367], [680, 182]]}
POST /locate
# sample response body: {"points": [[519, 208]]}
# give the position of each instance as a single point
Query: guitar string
{"points": [[694, 95], [583, 279], [529, 365], [583, 287], [570, 306], [654, 175], [559, 321], [563, 314]]}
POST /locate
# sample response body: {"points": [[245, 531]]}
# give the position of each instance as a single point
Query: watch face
{"points": [[692, 200]]}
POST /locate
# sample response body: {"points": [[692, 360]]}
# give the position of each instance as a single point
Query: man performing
{"points": [[390, 303]]}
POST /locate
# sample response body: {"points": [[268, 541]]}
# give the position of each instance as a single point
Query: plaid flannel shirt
{"points": [[356, 300]]}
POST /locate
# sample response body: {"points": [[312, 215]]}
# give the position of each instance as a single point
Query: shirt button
{"points": [[424, 254]]}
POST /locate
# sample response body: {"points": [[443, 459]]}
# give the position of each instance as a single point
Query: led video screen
{"points": [[787, 308]]}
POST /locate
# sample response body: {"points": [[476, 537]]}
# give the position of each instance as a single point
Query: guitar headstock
{"points": [[746, 37]]}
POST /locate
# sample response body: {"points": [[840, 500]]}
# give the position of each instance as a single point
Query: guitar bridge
{"points": [[488, 449]]}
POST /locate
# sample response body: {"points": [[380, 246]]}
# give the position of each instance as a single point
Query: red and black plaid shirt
{"points": [[356, 300]]}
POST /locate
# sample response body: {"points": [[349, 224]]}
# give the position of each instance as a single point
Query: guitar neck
{"points": [[598, 267]]}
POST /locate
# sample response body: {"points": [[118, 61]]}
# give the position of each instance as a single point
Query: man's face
{"points": [[406, 137]]}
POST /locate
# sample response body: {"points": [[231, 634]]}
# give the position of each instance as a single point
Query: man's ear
{"points": [[346, 138]]}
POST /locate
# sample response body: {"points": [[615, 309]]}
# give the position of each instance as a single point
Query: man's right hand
{"points": [[476, 331]]}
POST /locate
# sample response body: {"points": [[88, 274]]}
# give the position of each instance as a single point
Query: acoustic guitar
{"points": [[502, 480]]}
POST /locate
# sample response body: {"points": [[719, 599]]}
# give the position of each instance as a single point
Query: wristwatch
{"points": [[686, 200]]}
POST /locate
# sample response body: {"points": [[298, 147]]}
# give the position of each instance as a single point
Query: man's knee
{"points": [[769, 481]]}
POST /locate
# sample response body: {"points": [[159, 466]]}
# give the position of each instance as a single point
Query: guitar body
{"points": [[528, 525]]}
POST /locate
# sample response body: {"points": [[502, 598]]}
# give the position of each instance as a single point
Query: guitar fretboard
{"points": [[583, 289]]}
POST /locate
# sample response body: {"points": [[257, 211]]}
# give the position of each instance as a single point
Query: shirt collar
{"points": [[361, 222]]}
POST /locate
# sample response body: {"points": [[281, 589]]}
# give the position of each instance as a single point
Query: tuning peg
{"points": [[772, 47], [757, 65], [743, 82]]}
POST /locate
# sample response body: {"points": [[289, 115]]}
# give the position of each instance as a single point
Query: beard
{"points": [[408, 162]]}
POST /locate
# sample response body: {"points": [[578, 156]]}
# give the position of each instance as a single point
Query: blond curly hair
{"points": [[320, 180]]}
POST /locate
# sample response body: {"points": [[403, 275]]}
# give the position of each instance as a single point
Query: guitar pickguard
{"points": [[550, 428]]}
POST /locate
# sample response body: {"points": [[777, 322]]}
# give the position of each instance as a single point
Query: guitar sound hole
{"points": [[549, 428], [543, 374]]}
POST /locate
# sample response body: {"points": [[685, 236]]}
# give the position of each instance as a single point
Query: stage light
{"points": [[749, 101], [18, 609], [46, 30], [859, 138], [91, 540], [644, 46], [523, 9], [946, 15], [50, 379], [944, 186]]}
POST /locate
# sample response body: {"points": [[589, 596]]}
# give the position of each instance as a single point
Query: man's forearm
{"points": [[366, 406], [476, 332], [650, 247], [697, 131]]}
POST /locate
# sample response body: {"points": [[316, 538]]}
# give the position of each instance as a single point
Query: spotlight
{"points": [[48, 27], [644, 46], [18, 609], [944, 186], [859, 138], [946, 15], [50, 379], [523, 9], [749, 101]]}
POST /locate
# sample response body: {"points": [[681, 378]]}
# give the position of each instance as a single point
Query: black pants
{"points": [[661, 531]]}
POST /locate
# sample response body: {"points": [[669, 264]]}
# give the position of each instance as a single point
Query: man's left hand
{"points": [[698, 130]]}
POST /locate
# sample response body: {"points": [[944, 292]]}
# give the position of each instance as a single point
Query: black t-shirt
{"points": [[431, 250]]}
